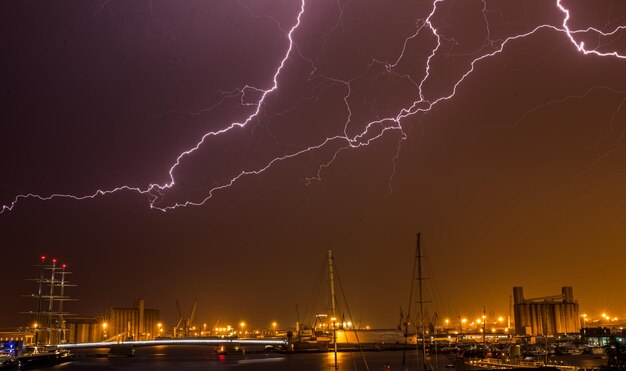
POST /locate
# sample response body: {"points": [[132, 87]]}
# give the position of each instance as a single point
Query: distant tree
{"points": [[616, 353]]}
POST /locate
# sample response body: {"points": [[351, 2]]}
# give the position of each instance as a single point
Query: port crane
{"points": [[185, 324]]}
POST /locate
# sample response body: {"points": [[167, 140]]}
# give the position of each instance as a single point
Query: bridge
{"points": [[143, 343]]}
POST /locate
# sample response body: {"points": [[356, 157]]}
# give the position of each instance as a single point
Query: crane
{"points": [[185, 324]]}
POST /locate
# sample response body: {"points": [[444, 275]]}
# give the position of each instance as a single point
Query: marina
{"points": [[331, 340], [187, 358]]}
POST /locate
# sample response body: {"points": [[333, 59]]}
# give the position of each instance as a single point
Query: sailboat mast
{"points": [[407, 319], [421, 301], [333, 303], [332, 284]]}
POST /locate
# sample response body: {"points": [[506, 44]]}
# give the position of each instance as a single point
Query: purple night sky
{"points": [[328, 124]]}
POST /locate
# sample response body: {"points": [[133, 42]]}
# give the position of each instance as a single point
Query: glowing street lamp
{"points": [[274, 326], [104, 330], [242, 325]]}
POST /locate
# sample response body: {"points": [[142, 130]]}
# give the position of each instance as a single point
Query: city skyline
{"points": [[174, 151]]}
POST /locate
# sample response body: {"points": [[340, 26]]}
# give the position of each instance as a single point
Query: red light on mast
{"points": [[54, 260], [43, 258], [64, 265]]}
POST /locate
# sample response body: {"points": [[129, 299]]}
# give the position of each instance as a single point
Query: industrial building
{"points": [[83, 330], [546, 316], [137, 323]]}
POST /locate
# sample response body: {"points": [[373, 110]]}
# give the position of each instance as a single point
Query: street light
{"points": [[242, 324], [274, 326], [104, 330]]}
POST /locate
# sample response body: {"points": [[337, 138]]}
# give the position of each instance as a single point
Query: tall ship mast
{"points": [[49, 316]]}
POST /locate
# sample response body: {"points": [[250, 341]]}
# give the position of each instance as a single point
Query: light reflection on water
{"points": [[187, 358]]}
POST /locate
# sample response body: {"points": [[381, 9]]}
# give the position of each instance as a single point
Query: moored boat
{"points": [[568, 350], [38, 357], [507, 364], [7, 362]]}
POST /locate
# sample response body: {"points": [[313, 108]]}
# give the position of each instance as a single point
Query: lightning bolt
{"points": [[353, 135]]}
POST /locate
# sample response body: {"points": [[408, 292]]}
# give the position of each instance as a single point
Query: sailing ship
{"points": [[44, 351], [332, 332]]}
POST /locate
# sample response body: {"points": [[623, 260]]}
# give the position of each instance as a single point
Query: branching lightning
{"points": [[370, 131]]}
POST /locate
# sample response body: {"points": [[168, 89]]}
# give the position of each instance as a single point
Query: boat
{"points": [[534, 351], [568, 350], [462, 364], [596, 350], [230, 348], [322, 335], [8, 362], [34, 357]]}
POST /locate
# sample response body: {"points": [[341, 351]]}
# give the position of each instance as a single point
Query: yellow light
{"points": [[603, 315], [479, 321], [35, 325], [104, 325], [159, 325], [500, 319], [242, 324], [464, 320], [447, 321], [493, 330]]}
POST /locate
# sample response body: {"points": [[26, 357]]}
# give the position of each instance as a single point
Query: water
{"points": [[187, 358]]}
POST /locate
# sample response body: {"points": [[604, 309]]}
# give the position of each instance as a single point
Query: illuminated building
{"points": [[546, 316], [137, 323], [83, 330]]}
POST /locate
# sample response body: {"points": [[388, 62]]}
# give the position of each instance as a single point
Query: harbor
{"points": [[542, 333], [171, 358]]}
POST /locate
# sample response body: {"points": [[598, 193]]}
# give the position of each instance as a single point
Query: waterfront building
{"points": [[24, 335], [83, 330], [546, 316], [136, 323]]}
